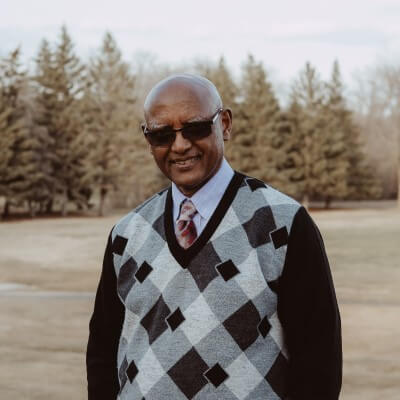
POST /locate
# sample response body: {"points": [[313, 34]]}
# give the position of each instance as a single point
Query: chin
{"points": [[189, 186]]}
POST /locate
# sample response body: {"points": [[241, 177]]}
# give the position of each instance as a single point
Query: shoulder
{"points": [[258, 195], [145, 213]]}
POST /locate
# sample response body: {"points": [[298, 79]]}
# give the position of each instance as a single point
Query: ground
{"points": [[49, 269]]}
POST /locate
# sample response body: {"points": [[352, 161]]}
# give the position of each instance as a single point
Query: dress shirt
{"points": [[206, 199]]}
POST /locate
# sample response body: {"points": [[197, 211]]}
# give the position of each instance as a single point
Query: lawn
{"points": [[49, 269]]}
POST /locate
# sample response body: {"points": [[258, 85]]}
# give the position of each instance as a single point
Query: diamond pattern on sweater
{"points": [[227, 270], [243, 377], [158, 226], [150, 371], [154, 320], [264, 327], [274, 285], [251, 279], [216, 375], [262, 353], [233, 297], [143, 272], [170, 347], [131, 371], [119, 245], [259, 227], [218, 347], [188, 372], [202, 267], [126, 277], [200, 320], [280, 237], [242, 325], [163, 275], [277, 374], [255, 184], [122, 372], [209, 331], [175, 319]]}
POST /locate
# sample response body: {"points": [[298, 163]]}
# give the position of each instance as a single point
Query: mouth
{"points": [[186, 161]]}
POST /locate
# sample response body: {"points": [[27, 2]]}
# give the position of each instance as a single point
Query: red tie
{"points": [[186, 232]]}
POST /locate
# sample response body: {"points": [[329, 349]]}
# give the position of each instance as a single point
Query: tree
{"points": [[46, 104], [60, 79], [256, 123], [287, 147], [390, 75], [349, 161], [221, 76], [19, 180], [341, 141], [10, 128], [320, 149], [109, 103]]}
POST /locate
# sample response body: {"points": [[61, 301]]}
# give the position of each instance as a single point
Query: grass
{"points": [[43, 338]]}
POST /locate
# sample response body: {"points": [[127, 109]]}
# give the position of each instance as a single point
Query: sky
{"points": [[283, 34]]}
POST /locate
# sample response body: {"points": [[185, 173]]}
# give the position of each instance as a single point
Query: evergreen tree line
{"points": [[70, 132]]}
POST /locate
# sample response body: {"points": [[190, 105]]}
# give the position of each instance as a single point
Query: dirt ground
{"points": [[49, 269]]}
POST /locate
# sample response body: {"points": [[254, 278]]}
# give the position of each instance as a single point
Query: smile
{"points": [[185, 162]]}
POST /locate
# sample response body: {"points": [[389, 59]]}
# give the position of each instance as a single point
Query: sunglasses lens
{"points": [[197, 131], [161, 138], [166, 137]]}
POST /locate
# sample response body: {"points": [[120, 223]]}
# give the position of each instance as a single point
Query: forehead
{"points": [[178, 103]]}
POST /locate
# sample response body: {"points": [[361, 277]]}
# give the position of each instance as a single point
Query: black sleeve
{"points": [[104, 331], [309, 314]]}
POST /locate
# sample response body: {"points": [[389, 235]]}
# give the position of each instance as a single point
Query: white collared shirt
{"points": [[206, 198]]}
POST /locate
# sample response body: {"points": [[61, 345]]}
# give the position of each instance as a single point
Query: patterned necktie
{"points": [[186, 232]]}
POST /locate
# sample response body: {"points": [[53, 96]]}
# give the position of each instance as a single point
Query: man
{"points": [[217, 287]]}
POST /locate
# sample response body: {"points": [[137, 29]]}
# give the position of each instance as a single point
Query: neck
{"points": [[189, 191]]}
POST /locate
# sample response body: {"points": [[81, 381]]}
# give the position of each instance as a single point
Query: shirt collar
{"points": [[208, 196]]}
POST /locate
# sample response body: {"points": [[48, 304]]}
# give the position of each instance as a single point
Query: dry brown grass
{"points": [[43, 337]]}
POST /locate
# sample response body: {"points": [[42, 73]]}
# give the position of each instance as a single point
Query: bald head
{"points": [[185, 89]]}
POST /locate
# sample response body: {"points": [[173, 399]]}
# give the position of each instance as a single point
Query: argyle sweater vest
{"points": [[202, 323]]}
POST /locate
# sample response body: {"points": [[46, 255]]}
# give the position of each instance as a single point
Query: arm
{"points": [[309, 314], [104, 332]]}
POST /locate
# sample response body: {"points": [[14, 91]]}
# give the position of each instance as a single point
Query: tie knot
{"points": [[188, 211]]}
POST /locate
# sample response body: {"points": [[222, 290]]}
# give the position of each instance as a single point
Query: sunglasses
{"points": [[192, 131]]}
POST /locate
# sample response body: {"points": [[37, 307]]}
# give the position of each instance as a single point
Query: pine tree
{"points": [[9, 130], [285, 147], [61, 79], [221, 76], [316, 144], [109, 103], [21, 147], [46, 105], [337, 150], [256, 123], [358, 177]]}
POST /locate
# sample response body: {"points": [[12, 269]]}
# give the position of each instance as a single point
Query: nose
{"points": [[180, 144]]}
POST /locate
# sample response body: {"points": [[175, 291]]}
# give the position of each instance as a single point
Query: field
{"points": [[49, 269]]}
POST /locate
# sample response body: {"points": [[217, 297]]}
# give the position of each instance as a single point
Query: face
{"points": [[189, 164]]}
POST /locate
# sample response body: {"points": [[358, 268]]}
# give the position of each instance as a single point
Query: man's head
{"points": [[179, 101]]}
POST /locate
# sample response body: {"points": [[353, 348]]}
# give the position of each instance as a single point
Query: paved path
{"points": [[48, 294], [10, 289]]}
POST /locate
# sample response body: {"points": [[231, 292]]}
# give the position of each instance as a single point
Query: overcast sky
{"points": [[284, 34]]}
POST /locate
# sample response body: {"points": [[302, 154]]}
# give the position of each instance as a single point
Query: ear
{"points": [[226, 118]]}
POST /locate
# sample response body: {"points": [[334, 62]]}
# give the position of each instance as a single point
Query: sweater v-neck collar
{"points": [[184, 256]]}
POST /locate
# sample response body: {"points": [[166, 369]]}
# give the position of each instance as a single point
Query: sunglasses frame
{"points": [[147, 132]]}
